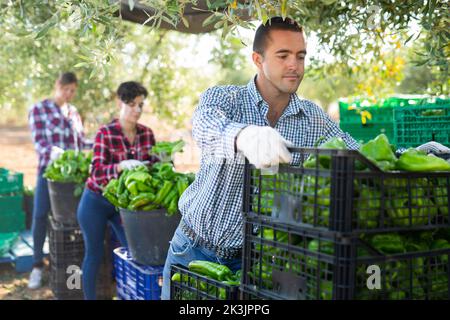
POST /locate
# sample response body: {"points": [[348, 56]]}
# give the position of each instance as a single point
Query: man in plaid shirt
{"points": [[258, 122], [55, 126]]}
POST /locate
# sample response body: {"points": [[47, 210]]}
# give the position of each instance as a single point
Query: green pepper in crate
{"points": [[325, 160], [398, 208], [367, 205], [441, 196], [210, 269], [379, 151], [415, 160], [388, 243]]}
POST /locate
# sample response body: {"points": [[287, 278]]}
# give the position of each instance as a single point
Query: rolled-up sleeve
{"points": [[102, 168]]}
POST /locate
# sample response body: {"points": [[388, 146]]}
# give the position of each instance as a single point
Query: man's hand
{"points": [[129, 165], [55, 153], [434, 147], [264, 147]]}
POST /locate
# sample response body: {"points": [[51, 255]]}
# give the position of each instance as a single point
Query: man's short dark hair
{"points": [[66, 78], [129, 90], [275, 23]]}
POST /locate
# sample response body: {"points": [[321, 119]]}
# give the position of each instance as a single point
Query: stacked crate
{"points": [[407, 121], [135, 281], [66, 258], [314, 233], [12, 216]]}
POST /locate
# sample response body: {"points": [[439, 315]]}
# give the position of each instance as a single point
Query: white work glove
{"points": [[264, 147], [433, 147], [55, 153], [130, 164]]}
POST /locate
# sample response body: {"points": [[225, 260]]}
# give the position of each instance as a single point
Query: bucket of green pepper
{"points": [[66, 177], [148, 202]]}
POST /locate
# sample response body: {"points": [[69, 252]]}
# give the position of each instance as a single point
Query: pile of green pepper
{"points": [[428, 274], [72, 166], [211, 270], [144, 189]]}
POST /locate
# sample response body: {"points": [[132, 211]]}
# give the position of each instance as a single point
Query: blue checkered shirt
{"points": [[212, 205]]}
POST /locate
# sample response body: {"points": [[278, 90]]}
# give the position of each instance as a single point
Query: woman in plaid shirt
{"points": [[55, 126], [119, 145]]}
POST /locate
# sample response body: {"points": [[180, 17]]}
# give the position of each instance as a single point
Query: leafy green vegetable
{"points": [[72, 166]]}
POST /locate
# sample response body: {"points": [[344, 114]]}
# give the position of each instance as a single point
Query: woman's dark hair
{"points": [[129, 90], [67, 78], [275, 23]]}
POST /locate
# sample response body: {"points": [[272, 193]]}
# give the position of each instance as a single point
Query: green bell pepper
{"points": [[141, 200], [379, 151], [138, 176], [400, 204], [325, 160], [163, 192], [132, 188], [111, 198], [173, 207], [210, 269], [388, 243], [417, 161]]}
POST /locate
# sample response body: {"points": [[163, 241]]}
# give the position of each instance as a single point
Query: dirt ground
{"points": [[13, 285], [17, 153]]}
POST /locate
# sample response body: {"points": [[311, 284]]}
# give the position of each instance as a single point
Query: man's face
{"points": [[66, 92], [283, 62], [132, 111]]}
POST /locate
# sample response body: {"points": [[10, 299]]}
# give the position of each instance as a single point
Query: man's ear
{"points": [[257, 59]]}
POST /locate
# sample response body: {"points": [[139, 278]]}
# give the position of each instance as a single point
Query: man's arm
{"points": [[213, 128], [333, 130]]}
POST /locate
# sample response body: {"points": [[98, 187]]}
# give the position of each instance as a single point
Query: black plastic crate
{"points": [[354, 196], [65, 240], [283, 261], [67, 249], [194, 286], [61, 291]]}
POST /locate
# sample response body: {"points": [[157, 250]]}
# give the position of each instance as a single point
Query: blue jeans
{"points": [[94, 212], [41, 208], [182, 250]]}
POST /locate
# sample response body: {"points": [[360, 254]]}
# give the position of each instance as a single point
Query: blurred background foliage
{"points": [[366, 48]]}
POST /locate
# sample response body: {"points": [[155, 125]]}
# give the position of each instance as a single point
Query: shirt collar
{"points": [[116, 125], [295, 105]]}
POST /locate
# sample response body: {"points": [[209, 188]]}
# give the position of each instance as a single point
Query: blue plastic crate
{"points": [[135, 281]]}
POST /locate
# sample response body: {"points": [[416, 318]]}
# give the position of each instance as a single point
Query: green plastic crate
{"points": [[417, 125], [364, 133], [12, 216], [383, 120], [12, 221], [10, 182], [7, 240]]}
